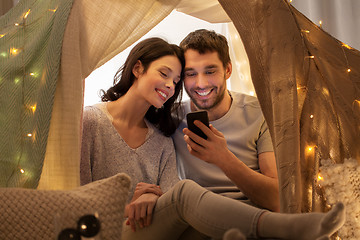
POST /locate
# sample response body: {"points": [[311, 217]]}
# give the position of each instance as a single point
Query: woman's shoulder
{"points": [[92, 114]]}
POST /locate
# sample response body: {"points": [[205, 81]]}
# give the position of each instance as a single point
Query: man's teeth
{"points": [[203, 93], [162, 94]]}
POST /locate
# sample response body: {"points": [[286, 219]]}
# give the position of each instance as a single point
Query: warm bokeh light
{"points": [[33, 108], [325, 91], [27, 13], [319, 177], [347, 46]]}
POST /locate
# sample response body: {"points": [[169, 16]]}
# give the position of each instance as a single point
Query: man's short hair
{"points": [[204, 41]]}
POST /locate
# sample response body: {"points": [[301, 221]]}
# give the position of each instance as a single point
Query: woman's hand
{"points": [[142, 188], [140, 210]]}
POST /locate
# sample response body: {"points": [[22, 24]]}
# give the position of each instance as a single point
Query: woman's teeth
{"points": [[162, 94]]}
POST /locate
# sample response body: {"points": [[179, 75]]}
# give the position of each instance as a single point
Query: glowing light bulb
{"points": [[29, 135], [2, 35], [27, 13], [320, 23], [319, 177], [14, 51], [300, 87], [17, 24], [347, 46], [311, 116], [22, 171], [348, 70], [325, 92], [305, 31], [33, 108], [310, 149], [32, 74]]}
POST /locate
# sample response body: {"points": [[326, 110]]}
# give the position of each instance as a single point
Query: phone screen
{"points": [[197, 115]]}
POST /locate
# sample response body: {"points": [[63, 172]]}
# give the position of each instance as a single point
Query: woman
{"points": [[128, 133]]}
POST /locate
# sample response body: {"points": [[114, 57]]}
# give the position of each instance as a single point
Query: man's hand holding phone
{"points": [[210, 149]]}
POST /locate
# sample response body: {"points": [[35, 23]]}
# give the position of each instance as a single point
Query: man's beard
{"points": [[220, 96]]}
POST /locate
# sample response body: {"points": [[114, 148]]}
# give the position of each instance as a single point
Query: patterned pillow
{"points": [[43, 214]]}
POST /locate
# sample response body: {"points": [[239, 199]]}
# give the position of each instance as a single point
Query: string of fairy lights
{"points": [[20, 78], [31, 107], [311, 148]]}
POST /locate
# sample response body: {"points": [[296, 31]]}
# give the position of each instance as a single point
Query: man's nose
{"points": [[201, 81]]}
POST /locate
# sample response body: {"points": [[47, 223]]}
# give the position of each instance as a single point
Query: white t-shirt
{"points": [[247, 135]]}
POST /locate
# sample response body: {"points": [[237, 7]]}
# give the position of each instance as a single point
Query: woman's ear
{"points": [[138, 69]]}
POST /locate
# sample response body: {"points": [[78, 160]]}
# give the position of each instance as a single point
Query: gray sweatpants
{"points": [[189, 205]]}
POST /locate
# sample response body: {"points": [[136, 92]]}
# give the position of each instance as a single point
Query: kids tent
{"points": [[307, 83]]}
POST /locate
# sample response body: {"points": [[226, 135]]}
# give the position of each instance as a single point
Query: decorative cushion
{"points": [[43, 214]]}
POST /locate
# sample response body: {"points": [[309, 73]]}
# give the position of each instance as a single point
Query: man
{"points": [[237, 158]]}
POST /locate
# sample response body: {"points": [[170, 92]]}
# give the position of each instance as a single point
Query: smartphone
{"points": [[197, 115]]}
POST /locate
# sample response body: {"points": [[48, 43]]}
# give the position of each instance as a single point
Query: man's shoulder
{"points": [[245, 100]]}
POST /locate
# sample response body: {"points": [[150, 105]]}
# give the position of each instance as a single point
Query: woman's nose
{"points": [[169, 84]]}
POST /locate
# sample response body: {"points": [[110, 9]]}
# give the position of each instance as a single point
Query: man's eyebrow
{"points": [[206, 67], [188, 69], [211, 66]]}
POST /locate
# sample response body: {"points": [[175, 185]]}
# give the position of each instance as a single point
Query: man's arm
{"points": [[261, 188]]}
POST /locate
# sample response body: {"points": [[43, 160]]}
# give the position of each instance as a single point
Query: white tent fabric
{"points": [[97, 30]]}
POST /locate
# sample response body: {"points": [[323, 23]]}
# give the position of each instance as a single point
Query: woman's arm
{"points": [[139, 210]]}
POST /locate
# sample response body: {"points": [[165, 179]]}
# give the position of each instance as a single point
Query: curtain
{"points": [[308, 86], [31, 37]]}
